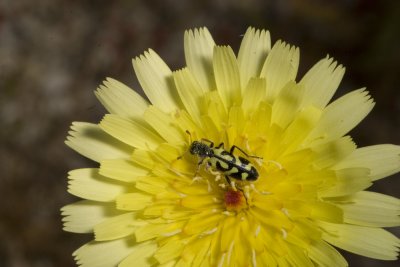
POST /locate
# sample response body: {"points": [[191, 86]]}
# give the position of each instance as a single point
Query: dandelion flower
{"points": [[153, 201]]}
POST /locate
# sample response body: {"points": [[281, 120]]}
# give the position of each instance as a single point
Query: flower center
{"points": [[234, 200]]}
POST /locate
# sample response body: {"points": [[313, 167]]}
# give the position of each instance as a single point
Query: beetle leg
{"points": [[209, 141], [246, 193], [241, 150]]}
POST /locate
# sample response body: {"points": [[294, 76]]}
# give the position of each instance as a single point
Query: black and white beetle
{"points": [[218, 159]]}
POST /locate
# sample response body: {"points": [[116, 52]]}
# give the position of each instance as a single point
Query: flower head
{"points": [[230, 162]]}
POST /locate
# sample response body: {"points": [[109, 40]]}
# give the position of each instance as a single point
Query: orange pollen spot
{"points": [[234, 200]]}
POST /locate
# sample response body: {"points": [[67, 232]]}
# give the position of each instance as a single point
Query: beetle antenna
{"points": [[190, 136], [190, 141]]}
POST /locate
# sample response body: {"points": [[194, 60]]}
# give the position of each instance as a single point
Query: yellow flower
{"points": [[150, 203]]}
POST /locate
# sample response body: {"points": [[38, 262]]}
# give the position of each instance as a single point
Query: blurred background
{"points": [[53, 55]]}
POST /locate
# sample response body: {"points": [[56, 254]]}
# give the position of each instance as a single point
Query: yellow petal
{"points": [[236, 120], [286, 104], [122, 170], [190, 93], [342, 115], [103, 254], [199, 46], [253, 94], [89, 184], [262, 114], [211, 129], [187, 123], [229, 225], [82, 216], [274, 218], [370, 242], [133, 201], [301, 126], [321, 82], [331, 153], [153, 230], [194, 254], [227, 75], [164, 125], [158, 210], [152, 185], [280, 67], [297, 257], [92, 142], [155, 77], [130, 132], [252, 54], [204, 221], [172, 263], [370, 209], [200, 202], [171, 250], [325, 255], [116, 227], [382, 160], [121, 100], [348, 181], [326, 212], [266, 259], [168, 152], [142, 255], [216, 109]]}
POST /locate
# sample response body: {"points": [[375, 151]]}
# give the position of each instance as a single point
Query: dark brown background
{"points": [[53, 54]]}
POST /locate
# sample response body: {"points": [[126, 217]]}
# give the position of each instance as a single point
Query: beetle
{"points": [[218, 159]]}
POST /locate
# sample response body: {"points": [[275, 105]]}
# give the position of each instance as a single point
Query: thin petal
{"points": [[325, 255], [152, 185], [143, 158], [255, 93], [297, 257], [169, 251], [104, 254], [227, 75], [155, 77], [188, 123], [252, 54], [92, 142], [280, 67], [142, 255], [370, 209], [331, 153], [82, 216], [116, 227], [164, 125], [326, 212], [348, 181], [342, 115], [133, 201], [130, 132], [151, 230], [122, 170], [190, 93], [321, 82], [119, 99], [236, 119], [370, 242], [201, 222], [216, 110], [89, 184], [199, 46], [286, 104], [299, 129], [382, 160]]}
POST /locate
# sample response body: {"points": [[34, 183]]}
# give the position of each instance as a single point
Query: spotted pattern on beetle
{"points": [[223, 161]]}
